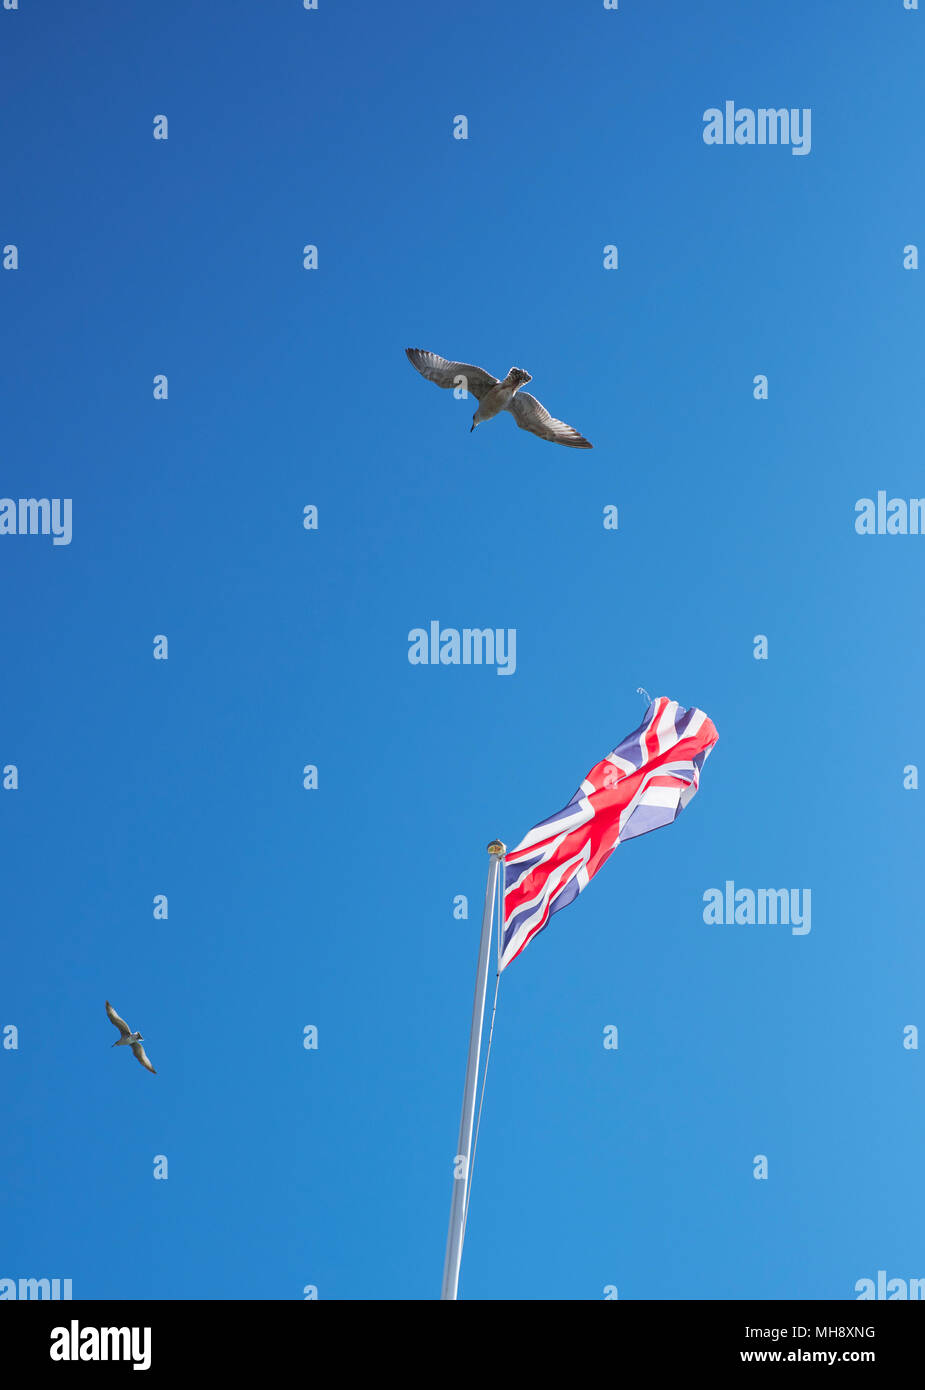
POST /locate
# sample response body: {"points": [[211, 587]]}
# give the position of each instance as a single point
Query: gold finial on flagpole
{"points": [[497, 847]]}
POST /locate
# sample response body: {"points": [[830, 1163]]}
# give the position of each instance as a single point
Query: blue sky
{"points": [[333, 907]]}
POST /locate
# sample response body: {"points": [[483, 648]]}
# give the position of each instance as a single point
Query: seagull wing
{"points": [[120, 1023], [476, 380], [532, 416], [142, 1056]]}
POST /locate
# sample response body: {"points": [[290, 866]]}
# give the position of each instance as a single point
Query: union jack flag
{"points": [[643, 784]]}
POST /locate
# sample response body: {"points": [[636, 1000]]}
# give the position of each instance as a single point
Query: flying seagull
{"points": [[128, 1038], [494, 396]]}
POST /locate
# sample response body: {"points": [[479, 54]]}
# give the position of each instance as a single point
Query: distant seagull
{"points": [[494, 396], [128, 1038]]}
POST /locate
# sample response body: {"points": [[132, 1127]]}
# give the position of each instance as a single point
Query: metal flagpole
{"points": [[454, 1240]]}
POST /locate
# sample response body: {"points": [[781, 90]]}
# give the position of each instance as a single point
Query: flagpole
{"points": [[454, 1240]]}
